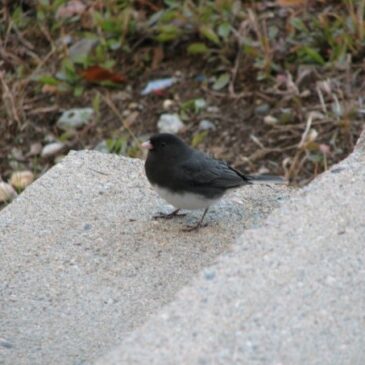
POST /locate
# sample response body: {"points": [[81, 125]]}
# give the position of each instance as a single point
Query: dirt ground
{"points": [[297, 125]]}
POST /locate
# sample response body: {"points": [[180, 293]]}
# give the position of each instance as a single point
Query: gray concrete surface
{"points": [[82, 264], [289, 293]]}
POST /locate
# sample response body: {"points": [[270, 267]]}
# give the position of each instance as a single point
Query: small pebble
{"points": [[170, 123], [17, 154], [270, 120], [52, 149], [133, 106], [21, 179], [200, 104], [213, 109], [7, 192], [206, 125], [262, 109], [75, 118], [168, 104]]}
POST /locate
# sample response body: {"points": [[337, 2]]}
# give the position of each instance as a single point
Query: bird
{"points": [[190, 179]]}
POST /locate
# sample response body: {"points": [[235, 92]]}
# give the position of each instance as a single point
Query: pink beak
{"points": [[147, 145]]}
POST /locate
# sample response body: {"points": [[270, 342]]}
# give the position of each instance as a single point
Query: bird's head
{"points": [[166, 146]]}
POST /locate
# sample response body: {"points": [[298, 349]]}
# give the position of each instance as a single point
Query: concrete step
{"points": [[289, 293], [83, 265]]}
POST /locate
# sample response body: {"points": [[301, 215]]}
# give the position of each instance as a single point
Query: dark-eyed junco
{"points": [[189, 179]]}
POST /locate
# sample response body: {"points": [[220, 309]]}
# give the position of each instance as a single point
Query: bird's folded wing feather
{"points": [[213, 173]]}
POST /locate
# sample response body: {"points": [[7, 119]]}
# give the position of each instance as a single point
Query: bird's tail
{"points": [[266, 179]]}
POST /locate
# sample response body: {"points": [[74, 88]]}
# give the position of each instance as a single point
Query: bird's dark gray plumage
{"points": [[189, 179]]}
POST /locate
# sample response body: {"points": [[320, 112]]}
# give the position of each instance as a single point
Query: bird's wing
{"points": [[202, 170]]}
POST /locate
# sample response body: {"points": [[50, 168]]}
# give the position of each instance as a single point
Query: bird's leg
{"points": [[169, 216], [197, 226]]}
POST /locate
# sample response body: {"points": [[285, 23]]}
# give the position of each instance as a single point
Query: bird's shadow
{"points": [[218, 215]]}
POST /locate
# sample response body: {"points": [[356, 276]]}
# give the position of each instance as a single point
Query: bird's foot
{"points": [[194, 228], [170, 215], [198, 225]]}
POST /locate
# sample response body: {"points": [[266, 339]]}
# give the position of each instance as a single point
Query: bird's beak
{"points": [[147, 145]]}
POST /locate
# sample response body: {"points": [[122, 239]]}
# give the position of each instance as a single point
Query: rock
{"points": [[205, 125], [213, 109], [21, 179], [17, 154], [168, 104], [7, 192], [75, 118], [270, 120], [200, 104], [262, 109], [133, 106], [170, 123], [52, 149]]}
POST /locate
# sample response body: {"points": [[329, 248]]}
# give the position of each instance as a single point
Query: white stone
{"points": [[75, 118], [170, 123], [52, 149], [206, 125]]}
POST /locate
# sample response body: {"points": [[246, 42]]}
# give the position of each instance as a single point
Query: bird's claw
{"points": [[194, 228], [169, 215]]}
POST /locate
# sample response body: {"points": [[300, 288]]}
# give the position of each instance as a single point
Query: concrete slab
{"points": [[82, 264], [289, 293]]}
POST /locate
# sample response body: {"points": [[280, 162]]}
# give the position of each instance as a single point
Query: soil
{"points": [[260, 126]]}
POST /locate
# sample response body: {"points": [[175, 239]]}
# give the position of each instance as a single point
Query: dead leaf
{"points": [[291, 3], [98, 74]]}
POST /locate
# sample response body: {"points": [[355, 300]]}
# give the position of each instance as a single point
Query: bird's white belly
{"points": [[185, 200]]}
